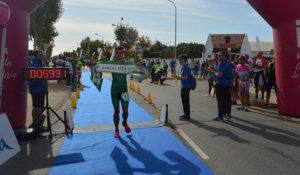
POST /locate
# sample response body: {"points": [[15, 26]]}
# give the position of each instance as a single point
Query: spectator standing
{"points": [[211, 75], [70, 67], [235, 84], [271, 82], [197, 67], [203, 67], [224, 79], [173, 65], [59, 62], [185, 86], [244, 71], [80, 64], [260, 65], [165, 65], [148, 63], [37, 90], [192, 66]]}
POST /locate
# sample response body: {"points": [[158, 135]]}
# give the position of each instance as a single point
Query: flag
{"points": [[112, 55], [96, 78], [93, 55], [80, 55], [100, 55]]}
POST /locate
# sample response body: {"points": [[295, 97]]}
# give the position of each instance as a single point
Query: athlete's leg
{"points": [[116, 101], [117, 118], [125, 114]]}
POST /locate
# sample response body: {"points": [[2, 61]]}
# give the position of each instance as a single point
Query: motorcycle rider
{"points": [[158, 68]]}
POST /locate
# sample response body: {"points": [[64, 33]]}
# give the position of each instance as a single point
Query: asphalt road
{"points": [[255, 142]]}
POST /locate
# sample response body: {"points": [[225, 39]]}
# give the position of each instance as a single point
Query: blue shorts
{"points": [[244, 89]]}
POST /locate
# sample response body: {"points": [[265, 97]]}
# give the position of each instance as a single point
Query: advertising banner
{"points": [[9, 145]]}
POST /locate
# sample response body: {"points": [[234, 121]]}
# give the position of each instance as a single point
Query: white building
{"points": [[217, 42], [266, 47]]}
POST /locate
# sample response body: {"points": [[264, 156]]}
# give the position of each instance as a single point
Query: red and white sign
{"points": [[229, 49]]}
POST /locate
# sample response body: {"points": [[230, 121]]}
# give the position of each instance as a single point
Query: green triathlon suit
{"points": [[118, 87]]}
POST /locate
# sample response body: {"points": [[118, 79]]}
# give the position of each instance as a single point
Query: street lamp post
{"points": [[175, 27]]}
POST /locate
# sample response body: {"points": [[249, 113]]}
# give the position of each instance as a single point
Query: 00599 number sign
{"points": [[45, 73]]}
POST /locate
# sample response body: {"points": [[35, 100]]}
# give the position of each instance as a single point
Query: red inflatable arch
{"points": [[283, 16], [14, 102]]}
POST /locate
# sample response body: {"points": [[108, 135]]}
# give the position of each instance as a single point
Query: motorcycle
{"points": [[160, 75]]}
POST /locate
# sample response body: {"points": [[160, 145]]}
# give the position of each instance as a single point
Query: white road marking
{"points": [[199, 151]]}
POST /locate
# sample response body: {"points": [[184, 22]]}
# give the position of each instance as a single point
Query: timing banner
{"points": [[113, 67], [137, 72]]}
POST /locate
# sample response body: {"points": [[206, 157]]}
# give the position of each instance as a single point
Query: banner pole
{"points": [[3, 51]]}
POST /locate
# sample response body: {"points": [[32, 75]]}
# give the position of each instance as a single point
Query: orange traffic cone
{"points": [[133, 87], [130, 86], [77, 93], [81, 87], [159, 83], [149, 100], [73, 105], [138, 90]]}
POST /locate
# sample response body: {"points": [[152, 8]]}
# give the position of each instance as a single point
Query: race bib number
{"points": [[125, 96]]}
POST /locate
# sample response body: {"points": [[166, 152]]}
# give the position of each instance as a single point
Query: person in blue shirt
{"points": [[173, 67], [185, 86], [37, 88], [223, 88]]}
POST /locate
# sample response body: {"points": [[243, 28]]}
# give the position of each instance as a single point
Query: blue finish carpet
{"points": [[95, 108]]}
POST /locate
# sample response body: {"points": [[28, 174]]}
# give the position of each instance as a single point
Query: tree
{"points": [[89, 46], [42, 22], [144, 41], [193, 50], [126, 36]]}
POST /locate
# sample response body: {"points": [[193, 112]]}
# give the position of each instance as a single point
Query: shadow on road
{"points": [[268, 132], [219, 131], [151, 162]]}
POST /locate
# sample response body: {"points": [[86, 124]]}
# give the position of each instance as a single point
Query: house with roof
{"points": [[219, 42]]}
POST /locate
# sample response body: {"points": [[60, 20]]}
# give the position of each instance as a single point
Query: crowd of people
{"points": [[247, 71], [75, 67]]}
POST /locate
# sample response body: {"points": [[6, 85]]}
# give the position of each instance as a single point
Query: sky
{"points": [[155, 19]]}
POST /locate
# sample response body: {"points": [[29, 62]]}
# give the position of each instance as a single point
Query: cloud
{"points": [[82, 26], [154, 6], [73, 26]]}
